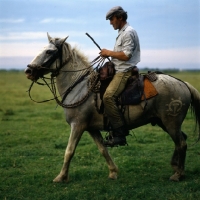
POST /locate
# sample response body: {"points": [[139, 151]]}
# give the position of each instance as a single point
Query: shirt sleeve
{"points": [[128, 43]]}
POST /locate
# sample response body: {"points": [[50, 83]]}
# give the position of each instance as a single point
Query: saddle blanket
{"points": [[149, 90]]}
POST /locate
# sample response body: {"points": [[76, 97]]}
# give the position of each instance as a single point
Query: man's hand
{"points": [[119, 55], [105, 53]]}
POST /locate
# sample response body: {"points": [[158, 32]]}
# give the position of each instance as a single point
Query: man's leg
{"points": [[113, 113]]}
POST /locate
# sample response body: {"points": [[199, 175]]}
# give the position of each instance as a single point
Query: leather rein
{"points": [[54, 72]]}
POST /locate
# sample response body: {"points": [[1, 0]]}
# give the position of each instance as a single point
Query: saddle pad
{"points": [[149, 90]]}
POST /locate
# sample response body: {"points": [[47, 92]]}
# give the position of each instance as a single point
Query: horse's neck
{"points": [[66, 80], [70, 73]]}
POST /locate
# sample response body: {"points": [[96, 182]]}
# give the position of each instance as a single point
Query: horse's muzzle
{"points": [[28, 70], [31, 73]]}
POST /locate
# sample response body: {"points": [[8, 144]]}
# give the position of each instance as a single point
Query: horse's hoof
{"points": [[176, 177], [113, 174], [113, 177], [60, 179]]}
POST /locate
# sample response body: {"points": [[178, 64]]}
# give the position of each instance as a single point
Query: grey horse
{"points": [[75, 80]]}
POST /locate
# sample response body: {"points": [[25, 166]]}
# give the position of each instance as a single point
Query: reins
{"points": [[98, 60]]}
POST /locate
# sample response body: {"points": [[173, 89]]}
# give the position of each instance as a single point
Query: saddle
{"points": [[138, 88]]}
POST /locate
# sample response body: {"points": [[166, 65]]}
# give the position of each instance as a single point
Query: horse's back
{"points": [[170, 84], [171, 89]]}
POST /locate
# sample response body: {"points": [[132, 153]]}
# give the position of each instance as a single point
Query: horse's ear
{"points": [[63, 40], [49, 37]]}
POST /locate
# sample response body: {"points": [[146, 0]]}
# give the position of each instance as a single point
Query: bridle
{"points": [[54, 56], [54, 73]]}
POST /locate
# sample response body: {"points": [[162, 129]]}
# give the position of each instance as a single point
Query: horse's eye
{"points": [[48, 52]]}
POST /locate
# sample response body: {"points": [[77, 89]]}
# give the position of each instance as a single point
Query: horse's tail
{"points": [[195, 105]]}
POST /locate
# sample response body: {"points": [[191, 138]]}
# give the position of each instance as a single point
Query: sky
{"points": [[168, 30]]}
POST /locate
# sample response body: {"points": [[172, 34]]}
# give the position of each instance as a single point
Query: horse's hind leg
{"points": [[159, 123], [178, 158], [98, 139]]}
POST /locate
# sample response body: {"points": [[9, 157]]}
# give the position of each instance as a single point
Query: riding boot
{"points": [[118, 137]]}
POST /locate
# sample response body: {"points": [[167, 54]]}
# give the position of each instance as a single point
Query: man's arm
{"points": [[119, 55]]}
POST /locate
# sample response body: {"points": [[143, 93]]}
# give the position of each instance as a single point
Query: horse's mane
{"points": [[76, 54]]}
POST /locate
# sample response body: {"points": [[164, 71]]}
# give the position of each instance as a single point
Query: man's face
{"points": [[116, 23]]}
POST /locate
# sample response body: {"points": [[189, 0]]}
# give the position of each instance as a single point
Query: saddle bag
{"points": [[107, 71]]}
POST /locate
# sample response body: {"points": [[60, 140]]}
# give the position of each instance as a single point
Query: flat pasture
{"points": [[33, 138]]}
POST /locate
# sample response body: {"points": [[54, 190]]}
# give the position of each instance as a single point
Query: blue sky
{"points": [[169, 31]]}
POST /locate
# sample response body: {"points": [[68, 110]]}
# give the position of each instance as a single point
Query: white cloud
{"points": [[20, 20], [20, 49], [63, 20], [148, 57], [40, 35], [22, 36], [26, 44], [171, 56]]}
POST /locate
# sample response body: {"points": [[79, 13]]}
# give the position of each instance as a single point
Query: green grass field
{"points": [[33, 138]]}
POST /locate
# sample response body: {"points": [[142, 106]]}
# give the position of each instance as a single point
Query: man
{"points": [[125, 56]]}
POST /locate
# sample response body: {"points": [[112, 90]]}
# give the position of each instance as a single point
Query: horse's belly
{"points": [[138, 115]]}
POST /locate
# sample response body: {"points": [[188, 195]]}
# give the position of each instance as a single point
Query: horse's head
{"points": [[46, 60]]}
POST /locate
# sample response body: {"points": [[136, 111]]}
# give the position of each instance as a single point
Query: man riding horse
{"points": [[125, 56]]}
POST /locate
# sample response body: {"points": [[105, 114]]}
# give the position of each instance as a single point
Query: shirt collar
{"points": [[123, 28]]}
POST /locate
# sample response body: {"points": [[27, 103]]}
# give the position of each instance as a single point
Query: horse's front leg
{"points": [[98, 139], [75, 135]]}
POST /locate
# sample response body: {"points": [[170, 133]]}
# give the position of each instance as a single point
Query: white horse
{"points": [[75, 80]]}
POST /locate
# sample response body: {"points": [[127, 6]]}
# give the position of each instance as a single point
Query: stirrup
{"points": [[115, 141]]}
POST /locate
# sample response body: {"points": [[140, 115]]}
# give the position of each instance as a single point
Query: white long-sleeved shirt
{"points": [[128, 42]]}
